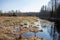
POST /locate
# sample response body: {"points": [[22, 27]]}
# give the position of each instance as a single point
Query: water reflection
{"points": [[45, 34], [27, 35], [17, 30]]}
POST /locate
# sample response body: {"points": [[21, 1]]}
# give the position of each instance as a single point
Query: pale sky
{"points": [[22, 5]]}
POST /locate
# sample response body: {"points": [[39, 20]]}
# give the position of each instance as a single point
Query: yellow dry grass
{"points": [[7, 31]]}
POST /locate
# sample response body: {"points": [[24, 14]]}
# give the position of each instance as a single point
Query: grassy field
{"points": [[12, 28]]}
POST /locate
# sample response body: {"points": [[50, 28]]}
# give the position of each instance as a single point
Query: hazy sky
{"points": [[22, 5]]}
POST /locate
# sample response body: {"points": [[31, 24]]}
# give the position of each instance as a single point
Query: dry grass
{"points": [[7, 31]]}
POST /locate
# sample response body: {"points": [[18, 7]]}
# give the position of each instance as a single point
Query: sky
{"points": [[22, 5]]}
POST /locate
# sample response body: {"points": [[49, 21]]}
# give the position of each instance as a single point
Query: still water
{"points": [[45, 34]]}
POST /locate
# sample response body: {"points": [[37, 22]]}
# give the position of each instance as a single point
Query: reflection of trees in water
{"points": [[58, 20]]}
